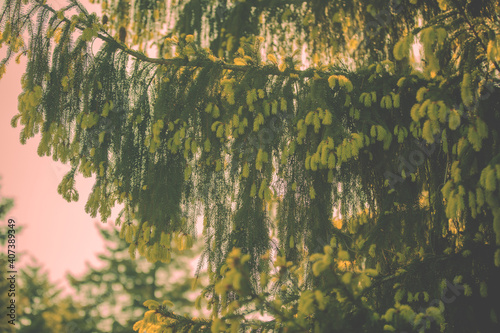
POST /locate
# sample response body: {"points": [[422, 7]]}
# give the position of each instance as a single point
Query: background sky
{"points": [[60, 235]]}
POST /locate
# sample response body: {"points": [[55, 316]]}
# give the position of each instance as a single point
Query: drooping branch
{"points": [[186, 62]]}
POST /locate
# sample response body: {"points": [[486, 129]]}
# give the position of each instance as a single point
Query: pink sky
{"points": [[59, 234]]}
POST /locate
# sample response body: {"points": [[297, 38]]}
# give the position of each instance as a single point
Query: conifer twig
{"points": [[185, 62]]}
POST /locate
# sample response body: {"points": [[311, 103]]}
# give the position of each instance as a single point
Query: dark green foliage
{"points": [[404, 153], [112, 295]]}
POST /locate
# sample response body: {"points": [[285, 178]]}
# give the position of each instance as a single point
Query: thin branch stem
{"points": [[474, 32], [185, 62]]}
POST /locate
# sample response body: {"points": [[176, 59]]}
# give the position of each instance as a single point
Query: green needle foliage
{"points": [[113, 295], [42, 309], [344, 154], [39, 307]]}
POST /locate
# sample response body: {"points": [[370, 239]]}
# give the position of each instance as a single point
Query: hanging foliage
{"points": [[344, 155]]}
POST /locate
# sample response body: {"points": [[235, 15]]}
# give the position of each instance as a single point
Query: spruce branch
{"points": [[185, 62], [472, 27]]}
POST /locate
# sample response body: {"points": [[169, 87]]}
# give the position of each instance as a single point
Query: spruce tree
{"points": [[344, 154], [112, 295], [39, 307]]}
